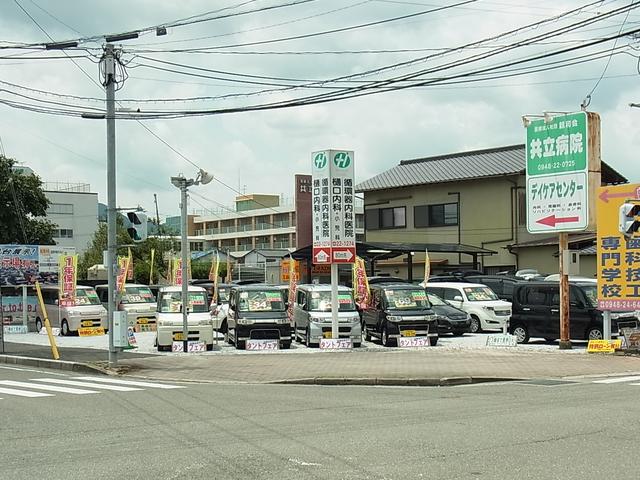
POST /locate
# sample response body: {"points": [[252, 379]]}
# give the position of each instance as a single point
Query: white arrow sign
{"points": [[342, 255]]}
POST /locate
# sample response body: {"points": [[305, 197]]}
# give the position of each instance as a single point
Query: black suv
{"points": [[536, 312], [399, 310]]}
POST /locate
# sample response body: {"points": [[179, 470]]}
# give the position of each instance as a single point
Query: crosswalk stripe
{"points": [[130, 382], [50, 388], [618, 379], [23, 393], [60, 381]]}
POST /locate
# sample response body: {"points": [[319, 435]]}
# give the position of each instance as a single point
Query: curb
{"points": [[388, 381], [53, 364]]}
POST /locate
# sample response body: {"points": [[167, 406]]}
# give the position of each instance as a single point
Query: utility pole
{"points": [[155, 199], [184, 251], [110, 86]]}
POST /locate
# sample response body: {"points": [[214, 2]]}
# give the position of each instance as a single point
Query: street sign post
{"points": [[333, 211], [563, 171]]}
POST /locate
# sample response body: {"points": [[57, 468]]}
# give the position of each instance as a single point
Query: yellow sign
{"points": [[618, 258], [603, 346], [285, 270], [90, 331]]}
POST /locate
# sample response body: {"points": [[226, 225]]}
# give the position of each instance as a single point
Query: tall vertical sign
{"points": [[333, 207], [67, 276]]}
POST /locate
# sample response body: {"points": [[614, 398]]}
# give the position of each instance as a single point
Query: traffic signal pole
{"points": [[110, 83]]}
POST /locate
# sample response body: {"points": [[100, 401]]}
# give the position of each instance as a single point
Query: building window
{"points": [[384, 218], [441, 215], [60, 209], [63, 233]]}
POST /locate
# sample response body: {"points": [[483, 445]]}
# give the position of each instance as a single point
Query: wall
{"points": [[544, 260], [304, 220], [83, 220]]}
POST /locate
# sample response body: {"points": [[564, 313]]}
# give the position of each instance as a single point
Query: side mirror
{"points": [[577, 304], [457, 298], [57, 302]]}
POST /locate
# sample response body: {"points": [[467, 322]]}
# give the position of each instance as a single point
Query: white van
{"points": [[87, 312], [486, 310], [169, 317], [139, 303]]}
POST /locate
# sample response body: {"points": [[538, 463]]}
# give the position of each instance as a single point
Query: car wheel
{"points": [[307, 338], [64, 328], [240, 345], [433, 341], [357, 345], [38, 324], [286, 345], [475, 326], [386, 341], [367, 335], [595, 333], [223, 326], [521, 332], [458, 333], [210, 347]]}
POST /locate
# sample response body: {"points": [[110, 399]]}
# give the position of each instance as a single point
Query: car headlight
{"points": [[245, 321], [394, 318], [488, 308], [316, 319], [204, 322], [430, 318]]}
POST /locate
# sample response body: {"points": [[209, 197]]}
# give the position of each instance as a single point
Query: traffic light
{"points": [[629, 223], [137, 228]]}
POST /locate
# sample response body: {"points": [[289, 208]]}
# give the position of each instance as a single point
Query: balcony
{"points": [[263, 246], [245, 246], [282, 244]]}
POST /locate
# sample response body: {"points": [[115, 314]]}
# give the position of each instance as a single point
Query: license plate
{"points": [[143, 321], [408, 333], [326, 334], [87, 323], [178, 337]]}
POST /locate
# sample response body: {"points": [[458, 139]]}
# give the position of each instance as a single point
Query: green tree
{"points": [[22, 200]]}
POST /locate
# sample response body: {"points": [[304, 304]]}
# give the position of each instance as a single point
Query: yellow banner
{"points": [[123, 268], [603, 346], [130, 265], [293, 284], [215, 265], [67, 278], [360, 282], [90, 331], [427, 266]]}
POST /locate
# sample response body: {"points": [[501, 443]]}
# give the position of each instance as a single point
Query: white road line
{"points": [[129, 382], [618, 379], [60, 381], [49, 388], [23, 393]]}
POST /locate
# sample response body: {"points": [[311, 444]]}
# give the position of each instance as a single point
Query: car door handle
{"points": [[554, 310], [526, 309]]}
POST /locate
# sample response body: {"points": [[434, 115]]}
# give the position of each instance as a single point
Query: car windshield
{"points": [[321, 302], [406, 299], [480, 294], [137, 295], [171, 302], [436, 300], [591, 292], [86, 296], [261, 301]]}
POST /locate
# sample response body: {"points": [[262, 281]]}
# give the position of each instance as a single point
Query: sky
{"points": [[260, 151]]}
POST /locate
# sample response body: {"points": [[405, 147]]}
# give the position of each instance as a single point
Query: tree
{"points": [[22, 200]]}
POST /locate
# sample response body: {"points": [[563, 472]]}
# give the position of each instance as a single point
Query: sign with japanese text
{"points": [[618, 257], [360, 283], [563, 163], [294, 277], [603, 346], [18, 264], [49, 255], [413, 342], [261, 345], [123, 268], [335, 343], [333, 207], [130, 265], [67, 276], [285, 270]]}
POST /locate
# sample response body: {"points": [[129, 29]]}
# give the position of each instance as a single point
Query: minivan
{"points": [[87, 312], [312, 315], [486, 310], [536, 312], [138, 301], [257, 312], [170, 320], [398, 310]]}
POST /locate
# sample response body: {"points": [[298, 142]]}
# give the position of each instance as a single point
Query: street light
{"points": [[636, 105], [182, 183]]}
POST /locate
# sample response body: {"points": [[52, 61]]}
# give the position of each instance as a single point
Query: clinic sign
{"points": [[563, 154], [333, 207]]}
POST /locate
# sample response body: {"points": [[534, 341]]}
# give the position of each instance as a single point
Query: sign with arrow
{"points": [[563, 155]]}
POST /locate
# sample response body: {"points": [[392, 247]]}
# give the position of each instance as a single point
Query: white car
{"points": [[486, 310]]}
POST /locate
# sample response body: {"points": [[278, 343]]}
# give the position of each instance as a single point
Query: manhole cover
{"points": [[547, 382]]}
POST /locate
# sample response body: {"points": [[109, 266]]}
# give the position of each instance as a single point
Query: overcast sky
{"points": [[260, 151]]}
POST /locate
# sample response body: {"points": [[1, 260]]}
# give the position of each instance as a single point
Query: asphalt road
{"points": [[211, 431]]}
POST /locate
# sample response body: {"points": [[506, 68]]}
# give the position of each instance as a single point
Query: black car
{"points": [[536, 312], [502, 285], [450, 319], [398, 310]]}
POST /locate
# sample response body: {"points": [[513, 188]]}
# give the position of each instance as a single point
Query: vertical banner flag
{"points": [[67, 276], [123, 268], [360, 283], [153, 257], [215, 267], [130, 265], [228, 268], [427, 266], [177, 271], [293, 284]]}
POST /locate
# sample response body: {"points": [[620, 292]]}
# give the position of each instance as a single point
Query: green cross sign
{"points": [[320, 160], [342, 160]]}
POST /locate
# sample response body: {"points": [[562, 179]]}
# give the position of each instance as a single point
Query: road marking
{"points": [[116, 388], [618, 379], [33, 370], [50, 388], [129, 382], [23, 393]]}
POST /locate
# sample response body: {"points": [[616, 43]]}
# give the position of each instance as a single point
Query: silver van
{"points": [[312, 315], [87, 312], [169, 317], [139, 303]]}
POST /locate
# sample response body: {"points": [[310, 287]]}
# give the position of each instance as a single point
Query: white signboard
{"points": [[55, 331], [502, 340], [335, 343], [409, 342], [49, 256], [262, 345], [15, 329], [192, 346]]}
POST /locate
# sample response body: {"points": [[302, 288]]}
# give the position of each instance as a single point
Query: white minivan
{"points": [[87, 312], [139, 303], [169, 317], [486, 310]]}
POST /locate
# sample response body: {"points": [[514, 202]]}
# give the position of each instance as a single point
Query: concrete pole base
{"points": [[565, 345]]}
